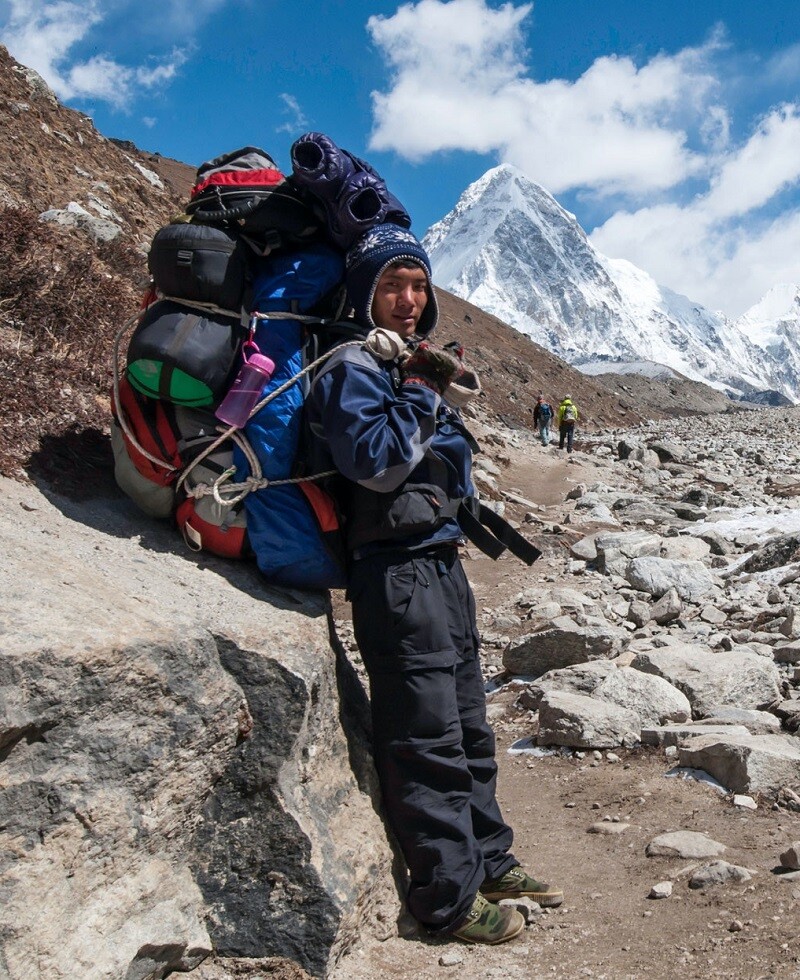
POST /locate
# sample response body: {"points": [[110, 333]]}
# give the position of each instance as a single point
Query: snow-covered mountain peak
{"points": [[510, 248], [780, 307]]}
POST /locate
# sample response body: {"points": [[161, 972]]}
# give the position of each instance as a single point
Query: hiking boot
{"points": [[489, 924], [515, 883]]}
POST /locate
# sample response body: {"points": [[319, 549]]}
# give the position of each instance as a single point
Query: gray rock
{"points": [[615, 548], [578, 679], [718, 544], [528, 909], [451, 958], [718, 873], [746, 763], [668, 608], [639, 613], [653, 699], [756, 722], [669, 451], [778, 551], [675, 734], [685, 548], [561, 644], [662, 890], [712, 615], [656, 576], [713, 678], [684, 844], [787, 653], [176, 774], [584, 549], [585, 723], [607, 829], [791, 857], [688, 512], [98, 229]]}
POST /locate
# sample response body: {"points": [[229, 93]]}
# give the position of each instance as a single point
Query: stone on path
{"points": [[756, 722], [791, 857], [656, 576], [577, 679], [746, 763], [607, 828], [616, 548], [653, 699], [662, 890], [718, 873], [787, 653], [685, 548], [581, 722], [713, 678], [684, 844], [562, 644], [665, 735], [639, 613], [667, 609]]}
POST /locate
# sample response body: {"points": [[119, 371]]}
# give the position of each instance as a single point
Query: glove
{"points": [[463, 388], [432, 367], [386, 345]]}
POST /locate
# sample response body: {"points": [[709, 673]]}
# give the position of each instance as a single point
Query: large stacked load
{"points": [[246, 296]]}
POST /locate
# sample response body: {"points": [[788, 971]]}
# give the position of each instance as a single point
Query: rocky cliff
{"points": [[183, 755]]}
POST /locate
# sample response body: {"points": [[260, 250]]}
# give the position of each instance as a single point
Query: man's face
{"points": [[400, 298]]}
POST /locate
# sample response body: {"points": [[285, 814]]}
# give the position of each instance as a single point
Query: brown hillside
{"points": [[514, 370]]}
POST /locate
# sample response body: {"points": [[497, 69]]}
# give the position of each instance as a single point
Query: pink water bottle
{"points": [[245, 391]]}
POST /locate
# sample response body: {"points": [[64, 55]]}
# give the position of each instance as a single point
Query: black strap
{"points": [[492, 534]]}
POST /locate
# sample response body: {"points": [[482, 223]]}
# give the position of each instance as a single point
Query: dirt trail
{"points": [[608, 927]]}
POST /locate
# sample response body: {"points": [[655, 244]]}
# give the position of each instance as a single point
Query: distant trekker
{"points": [[567, 417], [542, 417]]}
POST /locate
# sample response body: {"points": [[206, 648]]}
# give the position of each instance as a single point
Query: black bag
{"points": [[183, 355], [245, 191], [201, 263]]}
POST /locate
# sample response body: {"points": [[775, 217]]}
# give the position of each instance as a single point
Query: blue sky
{"points": [[670, 128]]}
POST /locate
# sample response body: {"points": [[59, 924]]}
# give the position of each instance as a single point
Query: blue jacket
{"points": [[386, 438]]}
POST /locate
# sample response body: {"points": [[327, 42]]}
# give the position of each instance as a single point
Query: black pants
{"points": [[566, 431], [414, 621]]}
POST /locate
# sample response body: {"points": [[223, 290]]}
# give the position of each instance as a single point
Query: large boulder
{"points": [[653, 698], [578, 679], [690, 579], [184, 761], [581, 722], [560, 644], [616, 548], [746, 763], [713, 679]]}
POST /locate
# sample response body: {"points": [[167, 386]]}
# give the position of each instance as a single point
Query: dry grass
{"points": [[61, 303]]}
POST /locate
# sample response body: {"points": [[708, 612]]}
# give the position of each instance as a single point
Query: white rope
{"points": [[259, 482]]}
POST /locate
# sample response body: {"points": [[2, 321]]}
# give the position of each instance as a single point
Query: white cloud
{"points": [[42, 34], [459, 81], [719, 248], [297, 119], [767, 163], [656, 136]]}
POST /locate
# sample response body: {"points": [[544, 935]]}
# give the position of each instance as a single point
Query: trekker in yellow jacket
{"points": [[567, 417]]}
